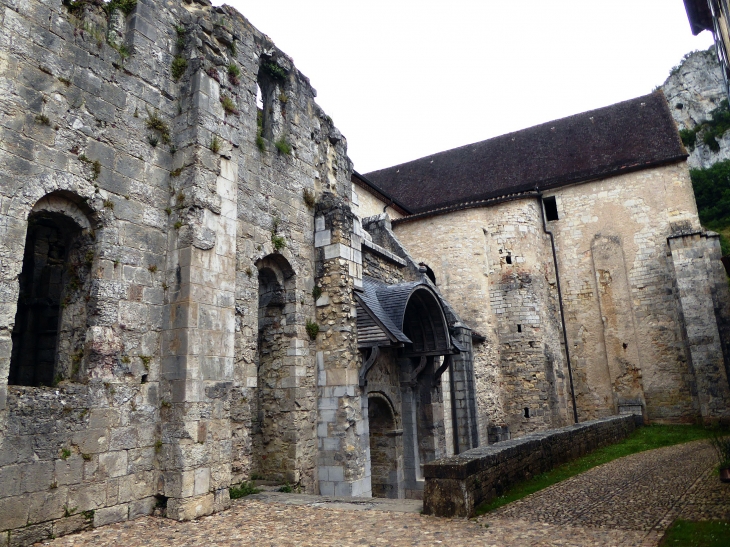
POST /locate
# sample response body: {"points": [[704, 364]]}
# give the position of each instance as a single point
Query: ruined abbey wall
{"points": [[195, 212]]}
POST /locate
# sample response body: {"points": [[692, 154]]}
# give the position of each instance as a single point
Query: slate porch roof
{"points": [[623, 137]]}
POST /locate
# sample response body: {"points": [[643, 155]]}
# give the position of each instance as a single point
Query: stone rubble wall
{"points": [[457, 485]]}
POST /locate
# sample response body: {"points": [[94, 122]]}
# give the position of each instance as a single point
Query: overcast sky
{"points": [[404, 78]]}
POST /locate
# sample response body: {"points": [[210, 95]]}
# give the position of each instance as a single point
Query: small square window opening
{"points": [[551, 208]]}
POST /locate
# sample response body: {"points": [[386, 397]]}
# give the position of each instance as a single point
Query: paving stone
{"points": [[627, 502]]}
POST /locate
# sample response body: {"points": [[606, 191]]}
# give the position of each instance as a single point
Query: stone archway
{"points": [[275, 431], [51, 315], [386, 465]]}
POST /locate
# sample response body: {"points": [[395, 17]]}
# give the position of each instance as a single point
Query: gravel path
{"points": [[627, 502]]}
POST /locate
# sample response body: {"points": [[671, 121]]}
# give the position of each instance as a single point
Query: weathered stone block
{"points": [[190, 508], [31, 534], [110, 515], [13, 513], [113, 464]]}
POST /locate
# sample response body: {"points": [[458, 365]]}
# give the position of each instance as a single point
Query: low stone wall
{"points": [[455, 486]]}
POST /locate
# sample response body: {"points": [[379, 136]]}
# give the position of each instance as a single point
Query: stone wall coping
{"points": [[473, 461], [383, 253]]}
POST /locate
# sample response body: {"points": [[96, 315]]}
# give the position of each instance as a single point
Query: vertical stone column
{"points": [[695, 286], [342, 427], [413, 477], [198, 337], [464, 394]]}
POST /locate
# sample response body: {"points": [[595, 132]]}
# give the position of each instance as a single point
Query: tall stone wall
{"points": [[143, 129], [495, 266], [624, 324]]}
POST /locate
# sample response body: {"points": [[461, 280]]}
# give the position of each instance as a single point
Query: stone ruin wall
{"points": [[625, 326], [183, 205], [514, 369]]}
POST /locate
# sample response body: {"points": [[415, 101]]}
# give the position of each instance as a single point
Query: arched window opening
{"points": [[271, 80], [50, 321]]}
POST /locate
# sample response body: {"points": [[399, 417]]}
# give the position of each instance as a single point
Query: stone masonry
{"points": [[197, 290]]}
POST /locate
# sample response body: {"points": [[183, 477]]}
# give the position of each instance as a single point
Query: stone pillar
{"points": [[413, 477], [342, 429], [695, 286], [462, 369], [198, 336]]}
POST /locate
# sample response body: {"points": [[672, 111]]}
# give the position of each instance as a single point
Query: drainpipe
{"points": [[560, 302]]}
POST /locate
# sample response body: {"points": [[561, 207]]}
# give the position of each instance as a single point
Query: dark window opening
{"points": [[519, 328], [271, 99], [144, 379], [55, 269], [508, 259], [527, 412], [551, 208]]}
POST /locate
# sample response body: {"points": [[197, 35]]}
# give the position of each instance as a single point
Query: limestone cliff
{"points": [[694, 89]]}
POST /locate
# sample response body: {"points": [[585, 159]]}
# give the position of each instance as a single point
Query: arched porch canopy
{"points": [[408, 315]]}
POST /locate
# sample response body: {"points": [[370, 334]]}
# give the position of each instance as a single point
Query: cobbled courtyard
{"points": [[627, 502]]}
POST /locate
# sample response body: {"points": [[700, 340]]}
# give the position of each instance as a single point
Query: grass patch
{"points": [[242, 490], [644, 438], [706, 533]]}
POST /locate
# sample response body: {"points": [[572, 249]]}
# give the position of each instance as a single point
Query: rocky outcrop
{"points": [[693, 90]]}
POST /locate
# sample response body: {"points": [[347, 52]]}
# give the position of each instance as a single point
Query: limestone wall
{"points": [[144, 130], [495, 266], [365, 204], [624, 326]]}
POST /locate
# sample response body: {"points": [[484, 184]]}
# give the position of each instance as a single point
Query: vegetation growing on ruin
{"points": [[283, 146], [178, 68], [181, 31], [312, 329], [155, 123], [228, 105], [43, 119], [316, 292], [712, 194], [125, 6], [709, 130], [215, 144], [274, 71], [242, 490], [644, 438], [234, 73], [278, 242], [309, 198]]}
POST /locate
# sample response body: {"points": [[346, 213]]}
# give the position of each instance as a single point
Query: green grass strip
{"points": [[705, 533], [644, 438]]}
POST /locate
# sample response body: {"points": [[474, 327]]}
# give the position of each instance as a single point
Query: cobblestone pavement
{"points": [[627, 502]]}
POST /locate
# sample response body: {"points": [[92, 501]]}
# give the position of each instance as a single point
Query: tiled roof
{"points": [[623, 137]]}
